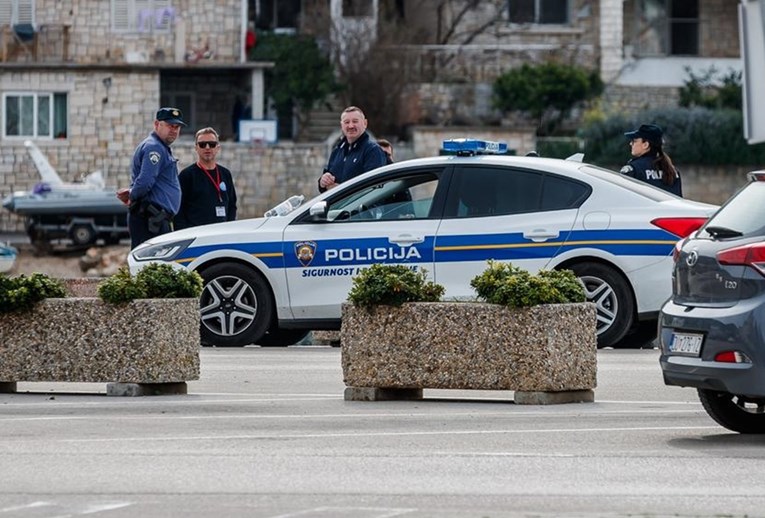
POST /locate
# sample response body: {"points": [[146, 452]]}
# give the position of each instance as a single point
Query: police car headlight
{"points": [[164, 251]]}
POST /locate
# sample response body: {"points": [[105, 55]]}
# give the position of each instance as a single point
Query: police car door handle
{"points": [[539, 235], [406, 239]]}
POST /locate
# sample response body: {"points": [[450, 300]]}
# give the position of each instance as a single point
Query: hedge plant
{"points": [[392, 285], [22, 292], [154, 281], [503, 283]]}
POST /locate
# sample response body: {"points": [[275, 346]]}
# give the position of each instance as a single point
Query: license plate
{"points": [[686, 343]]}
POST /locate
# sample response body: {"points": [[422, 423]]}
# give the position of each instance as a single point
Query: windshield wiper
{"points": [[722, 232]]}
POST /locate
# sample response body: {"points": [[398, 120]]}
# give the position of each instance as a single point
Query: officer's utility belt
{"points": [[154, 214]]}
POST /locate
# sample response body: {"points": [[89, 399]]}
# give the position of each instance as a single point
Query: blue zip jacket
{"points": [[154, 175], [350, 160]]}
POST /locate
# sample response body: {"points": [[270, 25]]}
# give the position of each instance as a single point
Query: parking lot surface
{"points": [[266, 433]]}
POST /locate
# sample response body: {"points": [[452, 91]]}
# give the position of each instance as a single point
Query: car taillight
{"points": [[681, 227], [732, 357], [748, 255]]}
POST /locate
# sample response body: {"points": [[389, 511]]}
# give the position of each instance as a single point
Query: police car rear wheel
{"points": [[608, 290], [236, 306]]}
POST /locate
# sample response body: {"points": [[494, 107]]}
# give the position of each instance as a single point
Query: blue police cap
{"points": [[648, 132], [171, 116]]}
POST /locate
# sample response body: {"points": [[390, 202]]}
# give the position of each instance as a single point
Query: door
{"points": [[389, 220], [504, 214]]}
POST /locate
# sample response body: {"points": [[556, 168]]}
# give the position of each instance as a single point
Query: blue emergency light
{"points": [[471, 146]]}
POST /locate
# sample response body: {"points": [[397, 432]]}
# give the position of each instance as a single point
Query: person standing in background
{"points": [[154, 196], [649, 162], [207, 188], [387, 147], [354, 154]]}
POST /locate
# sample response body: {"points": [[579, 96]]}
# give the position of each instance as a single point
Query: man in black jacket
{"points": [[207, 188], [355, 154]]}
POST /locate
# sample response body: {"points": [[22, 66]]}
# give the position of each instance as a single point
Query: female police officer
{"points": [[650, 163]]}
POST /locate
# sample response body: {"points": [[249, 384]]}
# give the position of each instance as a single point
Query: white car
{"points": [[270, 280]]}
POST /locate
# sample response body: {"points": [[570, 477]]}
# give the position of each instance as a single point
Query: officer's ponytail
{"points": [[665, 165]]}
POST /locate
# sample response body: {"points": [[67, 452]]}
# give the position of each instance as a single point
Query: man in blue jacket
{"points": [[154, 196], [355, 154]]}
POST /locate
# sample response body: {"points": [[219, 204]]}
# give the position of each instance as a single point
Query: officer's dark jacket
{"points": [[350, 160], [642, 168]]}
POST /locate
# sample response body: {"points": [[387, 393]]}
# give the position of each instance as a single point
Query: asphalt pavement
{"points": [[266, 433]]}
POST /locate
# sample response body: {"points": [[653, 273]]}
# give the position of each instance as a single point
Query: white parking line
{"points": [[219, 438]]}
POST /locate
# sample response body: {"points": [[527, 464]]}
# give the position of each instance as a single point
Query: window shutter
{"points": [[143, 16], [164, 15], [120, 15], [6, 12], [26, 11]]}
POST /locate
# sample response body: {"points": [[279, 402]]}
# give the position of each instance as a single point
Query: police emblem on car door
{"points": [[388, 220]]}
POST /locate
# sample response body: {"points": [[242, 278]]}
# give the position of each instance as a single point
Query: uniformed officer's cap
{"points": [[171, 116], [648, 132]]}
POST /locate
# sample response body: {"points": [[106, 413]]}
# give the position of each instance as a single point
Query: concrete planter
{"points": [[546, 354], [147, 346]]}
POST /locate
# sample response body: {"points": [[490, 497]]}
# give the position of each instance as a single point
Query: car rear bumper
{"points": [[738, 328]]}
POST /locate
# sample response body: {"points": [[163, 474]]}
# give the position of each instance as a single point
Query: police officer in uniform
{"points": [[154, 196], [355, 154], [650, 163]]}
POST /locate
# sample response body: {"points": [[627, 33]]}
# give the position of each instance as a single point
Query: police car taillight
{"points": [[681, 227], [756, 176], [471, 146]]}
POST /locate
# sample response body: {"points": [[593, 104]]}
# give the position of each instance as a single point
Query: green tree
{"points": [[706, 91], [302, 76], [546, 92]]}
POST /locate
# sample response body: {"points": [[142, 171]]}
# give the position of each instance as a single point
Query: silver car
{"points": [[712, 330]]}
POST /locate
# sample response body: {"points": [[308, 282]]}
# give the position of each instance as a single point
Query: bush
{"points": [[22, 292], [546, 92], [392, 285], [154, 281], [503, 283]]}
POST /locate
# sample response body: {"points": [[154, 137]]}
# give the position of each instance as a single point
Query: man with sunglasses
{"points": [[207, 188], [154, 195]]}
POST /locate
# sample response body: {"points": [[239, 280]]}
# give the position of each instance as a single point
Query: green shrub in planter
{"points": [[392, 285], [22, 292], [155, 281], [503, 283]]}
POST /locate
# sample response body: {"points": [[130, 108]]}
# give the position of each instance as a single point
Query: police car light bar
{"points": [[471, 146]]}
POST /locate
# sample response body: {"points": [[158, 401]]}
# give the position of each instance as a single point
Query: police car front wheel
{"points": [[236, 305], [612, 295]]}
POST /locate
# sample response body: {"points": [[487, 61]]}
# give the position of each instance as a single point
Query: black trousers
{"points": [[138, 226]]}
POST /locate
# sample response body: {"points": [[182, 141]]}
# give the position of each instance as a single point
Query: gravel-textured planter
{"points": [[546, 353], [148, 346]]}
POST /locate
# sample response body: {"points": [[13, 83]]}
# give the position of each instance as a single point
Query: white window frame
{"points": [[537, 12], [15, 12], [142, 16], [36, 96]]}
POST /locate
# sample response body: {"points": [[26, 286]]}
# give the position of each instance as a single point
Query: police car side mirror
{"points": [[318, 210]]}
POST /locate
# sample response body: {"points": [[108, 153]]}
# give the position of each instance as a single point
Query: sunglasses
{"points": [[210, 144]]}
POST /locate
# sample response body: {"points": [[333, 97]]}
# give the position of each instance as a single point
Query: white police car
{"points": [[269, 280]]}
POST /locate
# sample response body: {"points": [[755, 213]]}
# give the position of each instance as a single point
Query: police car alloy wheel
{"points": [[236, 306], [613, 297]]}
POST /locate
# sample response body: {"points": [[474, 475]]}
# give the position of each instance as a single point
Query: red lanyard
{"points": [[215, 183]]}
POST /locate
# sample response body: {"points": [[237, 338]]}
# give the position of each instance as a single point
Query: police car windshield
{"points": [[636, 186]]}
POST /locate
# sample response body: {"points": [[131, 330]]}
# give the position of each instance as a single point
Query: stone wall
{"points": [[195, 24]]}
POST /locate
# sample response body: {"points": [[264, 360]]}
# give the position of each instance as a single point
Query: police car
{"points": [[270, 280]]}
